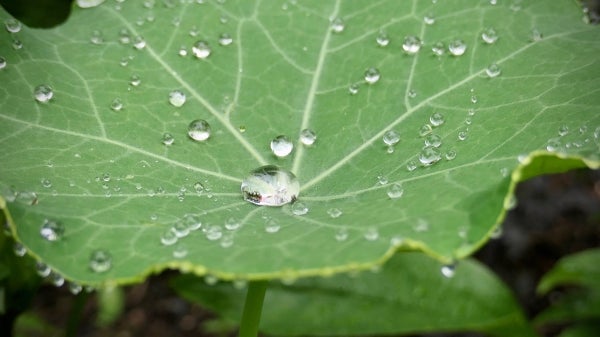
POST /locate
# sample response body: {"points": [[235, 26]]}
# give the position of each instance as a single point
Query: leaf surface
{"points": [[108, 179]]}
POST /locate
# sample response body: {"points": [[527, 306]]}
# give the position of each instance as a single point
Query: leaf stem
{"points": [[252, 309]]}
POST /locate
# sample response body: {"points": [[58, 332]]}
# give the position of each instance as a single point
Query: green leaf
{"points": [[408, 295], [108, 179], [577, 269]]}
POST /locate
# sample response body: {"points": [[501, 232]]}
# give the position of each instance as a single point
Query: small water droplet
{"points": [[199, 130], [210, 280], [272, 226], [451, 154], [429, 155], [493, 70], [436, 119], [232, 224], [371, 234], [391, 138], [43, 93], [139, 42], [19, 249], [52, 230], [353, 89], [226, 240], [457, 47], [96, 37], [17, 44], [242, 128], [135, 80], [429, 19], [341, 235], [270, 186], [42, 269], [334, 212], [395, 191], [177, 98], [192, 222], [308, 137], [411, 45], [563, 130], [421, 226], [448, 270], [281, 146], [299, 208], [180, 251], [116, 104], [535, 35], [201, 49], [181, 229], [554, 144], [75, 288], [337, 25], [382, 180], [2, 63], [106, 177], [225, 39], [56, 279], [168, 139], [100, 261], [462, 135], [433, 140], [425, 130], [12, 25], [438, 48], [46, 182], [182, 51], [372, 75], [411, 166], [168, 238], [489, 35], [382, 39], [473, 99]]}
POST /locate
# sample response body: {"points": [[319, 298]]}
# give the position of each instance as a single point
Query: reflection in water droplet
{"points": [[201, 50], [382, 39], [436, 119], [299, 208], [100, 261], [429, 155], [270, 186], [554, 144], [489, 35], [493, 70], [17, 44], [372, 75], [411, 45], [52, 230], [168, 139], [199, 130], [176, 98], [337, 25], [457, 47], [308, 137], [181, 229], [281, 146], [395, 191], [182, 51], [56, 279], [43, 93], [225, 39]]}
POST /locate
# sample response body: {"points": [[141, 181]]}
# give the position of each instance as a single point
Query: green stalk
{"points": [[252, 309]]}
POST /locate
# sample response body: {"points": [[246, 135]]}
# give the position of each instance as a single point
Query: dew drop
{"points": [[17, 44], [75, 288], [429, 19], [536, 35], [493, 70], [96, 37], [429, 155], [411, 45], [192, 222], [438, 48], [334, 212], [42, 269], [337, 25], [554, 144], [451, 154], [563, 130], [168, 238], [308, 137], [341, 235], [382, 180], [116, 104], [270, 186], [448, 270], [299, 208], [353, 89], [272, 226], [391, 138], [168, 139], [436, 119], [135, 80], [199, 130], [411, 166], [462, 135], [177, 98], [52, 230], [181, 229], [100, 261], [425, 130], [457, 47], [46, 182], [382, 39], [201, 49], [139, 42], [2, 63], [12, 25], [433, 140], [411, 93], [395, 191], [225, 39], [489, 35], [19, 249], [372, 75], [56, 279], [371, 234], [180, 251], [43, 93], [281, 146], [232, 224], [226, 240]]}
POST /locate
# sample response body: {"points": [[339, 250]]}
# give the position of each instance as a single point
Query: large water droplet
{"points": [[457, 47], [100, 261], [52, 230], [43, 93], [308, 137], [176, 98], [411, 44], [372, 75], [493, 70], [489, 35], [429, 155], [281, 146], [395, 191], [12, 25], [337, 25], [201, 49], [199, 130], [270, 186]]}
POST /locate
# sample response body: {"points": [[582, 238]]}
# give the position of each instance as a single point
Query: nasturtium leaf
{"points": [[94, 158], [408, 295]]}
